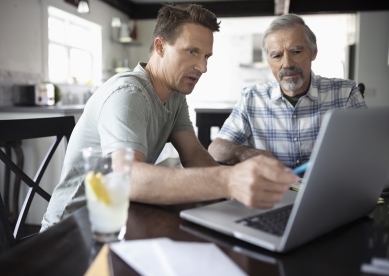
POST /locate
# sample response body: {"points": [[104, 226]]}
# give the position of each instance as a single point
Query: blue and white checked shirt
{"points": [[264, 119]]}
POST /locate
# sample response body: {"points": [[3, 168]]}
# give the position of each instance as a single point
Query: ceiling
{"points": [[148, 9]]}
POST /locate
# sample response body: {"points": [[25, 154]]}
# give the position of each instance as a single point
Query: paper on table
{"points": [[378, 266], [163, 256], [99, 267]]}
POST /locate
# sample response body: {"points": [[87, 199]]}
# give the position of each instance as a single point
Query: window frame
{"points": [[70, 19]]}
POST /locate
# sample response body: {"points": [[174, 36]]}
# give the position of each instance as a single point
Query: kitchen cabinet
{"points": [[34, 151]]}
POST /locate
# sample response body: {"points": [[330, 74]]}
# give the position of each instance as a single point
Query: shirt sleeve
{"points": [[236, 128], [182, 121], [122, 120], [355, 99]]}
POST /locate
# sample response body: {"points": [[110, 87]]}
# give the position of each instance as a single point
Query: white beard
{"points": [[292, 84]]}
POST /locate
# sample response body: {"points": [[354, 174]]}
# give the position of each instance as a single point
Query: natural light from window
{"points": [[74, 52]]}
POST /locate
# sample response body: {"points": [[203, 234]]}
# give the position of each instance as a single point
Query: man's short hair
{"points": [[288, 21], [172, 17]]}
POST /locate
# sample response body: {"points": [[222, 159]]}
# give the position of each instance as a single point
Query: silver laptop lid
{"points": [[349, 169]]}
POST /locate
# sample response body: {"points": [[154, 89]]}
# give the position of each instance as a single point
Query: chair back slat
{"points": [[35, 128], [22, 129], [15, 169], [23, 214]]}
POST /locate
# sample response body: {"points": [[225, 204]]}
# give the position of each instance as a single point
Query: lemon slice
{"points": [[94, 180]]}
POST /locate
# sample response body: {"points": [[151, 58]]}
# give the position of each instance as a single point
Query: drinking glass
{"points": [[107, 189]]}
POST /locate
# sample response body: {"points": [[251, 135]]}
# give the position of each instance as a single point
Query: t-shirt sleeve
{"points": [[237, 127], [122, 120], [183, 122]]}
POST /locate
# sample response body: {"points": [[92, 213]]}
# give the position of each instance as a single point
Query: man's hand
{"points": [[259, 182]]}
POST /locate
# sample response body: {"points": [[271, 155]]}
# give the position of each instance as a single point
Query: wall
{"points": [[23, 39], [372, 50], [145, 35], [20, 31]]}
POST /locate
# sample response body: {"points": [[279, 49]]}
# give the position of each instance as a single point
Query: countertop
{"points": [[62, 109]]}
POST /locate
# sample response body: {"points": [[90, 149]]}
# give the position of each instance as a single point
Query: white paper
{"points": [[378, 266], [382, 263], [368, 268], [163, 256]]}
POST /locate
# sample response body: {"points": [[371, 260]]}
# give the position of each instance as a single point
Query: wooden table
{"points": [[67, 249]]}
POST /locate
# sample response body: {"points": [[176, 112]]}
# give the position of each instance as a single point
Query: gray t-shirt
{"points": [[124, 112]]}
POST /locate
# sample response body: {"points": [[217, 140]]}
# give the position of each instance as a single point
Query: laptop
{"points": [[349, 167]]}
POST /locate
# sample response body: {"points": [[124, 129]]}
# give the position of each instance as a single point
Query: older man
{"points": [[282, 118], [144, 108]]}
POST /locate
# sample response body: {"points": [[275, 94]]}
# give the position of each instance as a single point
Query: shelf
{"points": [[128, 41]]}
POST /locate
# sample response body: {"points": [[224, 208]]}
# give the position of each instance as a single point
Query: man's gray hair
{"points": [[288, 21]]}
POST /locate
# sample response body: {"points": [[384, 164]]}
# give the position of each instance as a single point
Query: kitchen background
{"points": [[30, 52], [24, 54]]}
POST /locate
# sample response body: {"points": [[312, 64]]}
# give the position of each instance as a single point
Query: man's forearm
{"points": [[226, 152], [192, 153], [200, 158], [229, 153], [259, 182], [161, 185]]}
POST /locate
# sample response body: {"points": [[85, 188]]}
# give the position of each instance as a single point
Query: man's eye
{"points": [[192, 52]]}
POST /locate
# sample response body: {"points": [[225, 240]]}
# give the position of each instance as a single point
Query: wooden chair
{"points": [[22, 129]]}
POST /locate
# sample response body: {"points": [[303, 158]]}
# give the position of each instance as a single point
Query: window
{"points": [[74, 50]]}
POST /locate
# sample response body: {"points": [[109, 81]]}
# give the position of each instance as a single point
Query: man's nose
{"points": [[287, 61], [201, 65]]}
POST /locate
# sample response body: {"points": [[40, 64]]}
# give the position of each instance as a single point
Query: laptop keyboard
{"points": [[273, 222]]}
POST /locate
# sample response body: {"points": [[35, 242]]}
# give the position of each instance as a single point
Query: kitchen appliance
{"points": [[33, 94]]}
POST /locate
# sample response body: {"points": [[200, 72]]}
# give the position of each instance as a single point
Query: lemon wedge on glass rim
{"points": [[94, 180]]}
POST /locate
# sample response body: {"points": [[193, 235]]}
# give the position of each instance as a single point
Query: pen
{"points": [[300, 169]]}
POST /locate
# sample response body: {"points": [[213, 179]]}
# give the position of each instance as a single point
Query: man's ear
{"points": [[314, 54], [158, 46]]}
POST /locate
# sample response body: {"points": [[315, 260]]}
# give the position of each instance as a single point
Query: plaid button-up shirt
{"points": [[264, 119]]}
